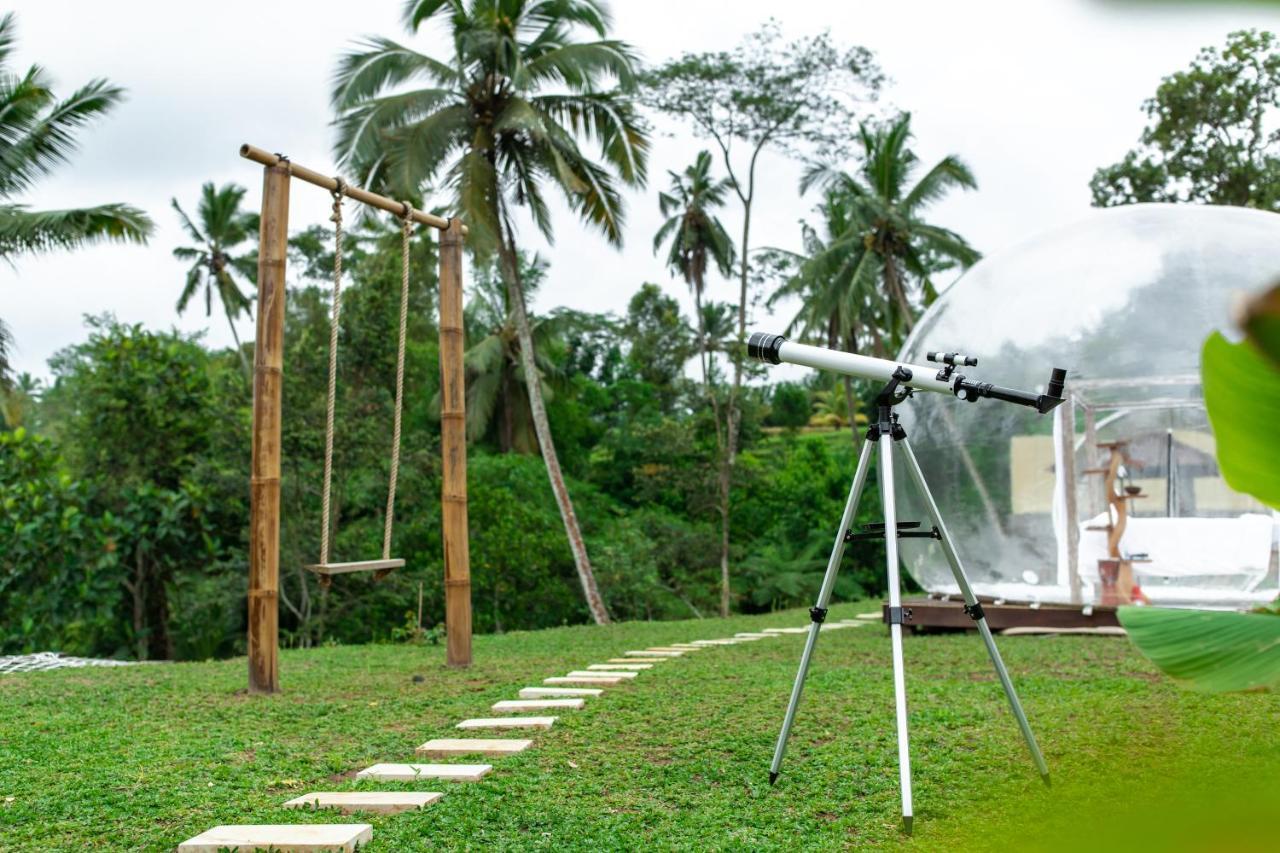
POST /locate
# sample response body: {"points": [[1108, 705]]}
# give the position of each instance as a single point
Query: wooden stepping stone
{"points": [[684, 647], [539, 692], [603, 681], [445, 747], [639, 660], [716, 642], [749, 636], [835, 626], [506, 706], [873, 617], [614, 667], [587, 673], [667, 653], [787, 630], [284, 837], [374, 802], [508, 723], [414, 772]]}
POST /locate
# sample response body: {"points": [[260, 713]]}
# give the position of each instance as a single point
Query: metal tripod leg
{"points": [[824, 597], [895, 624], [913, 466]]}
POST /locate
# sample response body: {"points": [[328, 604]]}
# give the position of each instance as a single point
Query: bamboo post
{"points": [[1066, 415], [264, 483], [453, 451]]}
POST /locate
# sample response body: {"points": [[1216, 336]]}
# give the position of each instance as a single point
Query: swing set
{"points": [[268, 361]]}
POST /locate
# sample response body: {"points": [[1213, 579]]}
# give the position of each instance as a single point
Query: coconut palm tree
{"points": [[499, 122], [696, 236], [884, 223], [837, 284], [38, 134], [223, 226], [497, 395]]}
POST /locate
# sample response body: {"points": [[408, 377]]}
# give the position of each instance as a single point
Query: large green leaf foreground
{"points": [[1215, 651], [1242, 396]]}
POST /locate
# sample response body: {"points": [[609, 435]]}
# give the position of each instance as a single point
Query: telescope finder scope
{"points": [[954, 359]]}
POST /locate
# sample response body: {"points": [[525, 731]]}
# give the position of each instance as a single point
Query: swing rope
{"points": [[336, 218], [406, 230]]}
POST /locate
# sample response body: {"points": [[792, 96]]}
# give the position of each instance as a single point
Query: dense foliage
{"points": [[125, 500], [1211, 136]]}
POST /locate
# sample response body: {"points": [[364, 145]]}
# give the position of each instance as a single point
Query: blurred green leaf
{"points": [[1242, 396], [1215, 651]]}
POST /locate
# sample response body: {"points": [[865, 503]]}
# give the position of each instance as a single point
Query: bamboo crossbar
{"points": [[266, 158]]}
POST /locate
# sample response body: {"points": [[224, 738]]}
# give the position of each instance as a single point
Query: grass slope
{"points": [[144, 757]]}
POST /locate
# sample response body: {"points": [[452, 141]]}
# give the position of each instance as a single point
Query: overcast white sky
{"points": [[1034, 94]]}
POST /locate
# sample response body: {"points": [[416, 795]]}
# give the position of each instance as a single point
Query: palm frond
{"points": [[24, 231]]}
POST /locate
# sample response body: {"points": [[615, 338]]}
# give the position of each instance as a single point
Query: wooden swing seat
{"points": [[382, 567]]}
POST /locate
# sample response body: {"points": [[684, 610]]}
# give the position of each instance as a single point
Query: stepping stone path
{"points": [[414, 772], [508, 705], [508, 723], [351, 836], [539, 692], [290, 837], [638, 660], [444, 747], [374, 802], [580, 679]]}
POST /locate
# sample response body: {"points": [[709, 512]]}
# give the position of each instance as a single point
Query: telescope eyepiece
{"points": [[954, 359], [1057, 380], [764, 347]]}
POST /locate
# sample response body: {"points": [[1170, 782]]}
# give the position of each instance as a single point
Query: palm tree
{"points": [[885, 218], [836, 282], [696, 237], [497, 122], [695, 234], [38, 134], [223, 227], [497, 393]]}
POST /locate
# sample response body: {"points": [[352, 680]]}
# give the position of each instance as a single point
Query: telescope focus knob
{"points": [[764, 347]]}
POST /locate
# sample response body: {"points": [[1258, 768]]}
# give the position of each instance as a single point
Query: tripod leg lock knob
{"points": [[818, 614], [974, 611], [899, 615]]}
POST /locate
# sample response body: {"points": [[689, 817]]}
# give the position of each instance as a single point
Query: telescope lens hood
{"points": [[764, 347]]}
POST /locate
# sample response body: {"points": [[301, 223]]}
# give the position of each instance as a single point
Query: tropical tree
{"points": [[696, 236], [1211, 135], [497, 390], [841, 302], [764, 94], [223, 226], [498, 122], [38, 134], [883, 230]]}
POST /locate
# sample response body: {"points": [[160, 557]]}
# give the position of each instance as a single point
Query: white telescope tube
{"points": [[776, 349], [879, 369]]}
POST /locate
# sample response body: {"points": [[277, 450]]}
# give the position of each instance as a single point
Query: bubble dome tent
{"points": [[1124, 301]]}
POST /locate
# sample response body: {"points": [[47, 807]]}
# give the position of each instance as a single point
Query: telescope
{"points": [[775, 349], [888, 437]]}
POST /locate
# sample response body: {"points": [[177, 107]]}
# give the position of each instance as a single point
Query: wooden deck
{"points": [[947, 614]]}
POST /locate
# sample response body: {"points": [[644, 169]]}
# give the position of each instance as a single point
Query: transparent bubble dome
{"points": [[1123, 300]]}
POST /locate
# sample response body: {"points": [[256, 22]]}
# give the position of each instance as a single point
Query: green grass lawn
{"points": [[145, 757]]}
